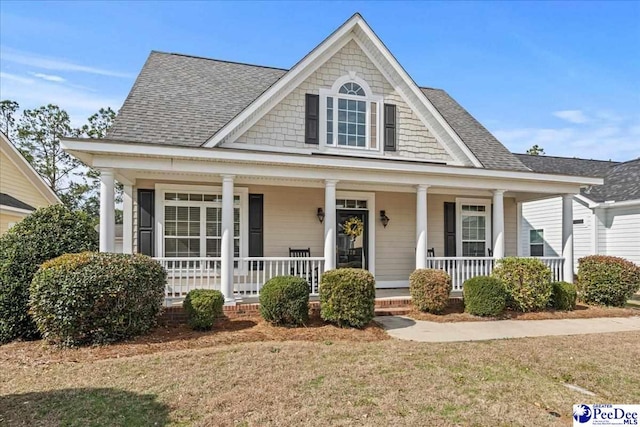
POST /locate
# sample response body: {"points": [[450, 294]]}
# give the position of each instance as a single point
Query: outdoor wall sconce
{"points": [[384, 219], [320, 215]]}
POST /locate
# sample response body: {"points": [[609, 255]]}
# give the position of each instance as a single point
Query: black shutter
{"points": [[146, 221], [256, 225], [389, 127], [449, 229], [311, 122]]}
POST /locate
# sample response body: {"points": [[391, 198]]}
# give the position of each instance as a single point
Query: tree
{"points": [[8, 110], [536, 150]]}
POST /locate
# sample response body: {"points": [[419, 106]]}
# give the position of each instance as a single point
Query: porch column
{"points": [[421, 226], [107, 211], [226, 252], [127, 219], [330, 224], [567, 236], [498, 223]]}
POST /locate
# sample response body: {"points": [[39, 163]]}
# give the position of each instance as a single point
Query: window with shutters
{"points": [[350, 115], [474, 223], [192, 223]]}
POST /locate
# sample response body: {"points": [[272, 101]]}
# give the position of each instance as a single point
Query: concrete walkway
{"points": [[405, 328]]}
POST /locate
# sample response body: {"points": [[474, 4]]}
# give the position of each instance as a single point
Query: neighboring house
{"points": [[228, 167], [22, 190], [606, 218]]}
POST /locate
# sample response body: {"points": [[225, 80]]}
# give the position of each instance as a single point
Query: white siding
{"points": [[543, 215], [620, 235], [582, 233]]}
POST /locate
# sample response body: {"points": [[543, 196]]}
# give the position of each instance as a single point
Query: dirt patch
{"points": [[169, 338], [455, 313]]}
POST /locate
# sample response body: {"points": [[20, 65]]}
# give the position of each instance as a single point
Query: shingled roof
{"points": [[621, 180], [184, 100], [12, 202]]}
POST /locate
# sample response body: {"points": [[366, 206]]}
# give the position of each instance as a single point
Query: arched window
{"points": [[352, 114]]}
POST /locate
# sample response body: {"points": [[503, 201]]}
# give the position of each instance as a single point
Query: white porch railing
{"points": [[250, 273]]}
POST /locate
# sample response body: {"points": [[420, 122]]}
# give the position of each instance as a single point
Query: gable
{"points": [[283, 126], [13, 182]]}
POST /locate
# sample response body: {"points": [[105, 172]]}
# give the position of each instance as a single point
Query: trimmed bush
{"points": [[563, 296], [203, 307], [96, 298], [607, 280], [284, 300], [527, 281], [347, 297], [45, 234], [484, 296], [430, 290]]}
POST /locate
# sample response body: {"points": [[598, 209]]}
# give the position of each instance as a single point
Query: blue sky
{"points": [[564, 75]]}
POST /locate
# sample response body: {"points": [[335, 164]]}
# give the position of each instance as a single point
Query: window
{"points": [[351, 115], [536, 242], [474, 236], [193, 225]]}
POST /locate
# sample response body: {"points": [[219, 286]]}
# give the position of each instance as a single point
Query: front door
{"points": [[352, 245]]}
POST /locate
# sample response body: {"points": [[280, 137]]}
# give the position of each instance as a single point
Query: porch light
{"points": [[320, 215], [384, 219]]}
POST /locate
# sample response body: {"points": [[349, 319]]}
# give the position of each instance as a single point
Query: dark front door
{"points": [[352, 250]]}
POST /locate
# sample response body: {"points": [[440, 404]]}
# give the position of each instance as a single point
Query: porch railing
{"points": [[250, 273]]}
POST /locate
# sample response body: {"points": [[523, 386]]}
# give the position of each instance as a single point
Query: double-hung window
{"points": [[536, 242], [350, 116], [474, 238]]}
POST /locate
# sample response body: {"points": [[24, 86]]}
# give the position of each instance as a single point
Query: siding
{"points": [[545, 215], [15, 183], [621, 233], [582, 233], [6, 219], [283, 126]]}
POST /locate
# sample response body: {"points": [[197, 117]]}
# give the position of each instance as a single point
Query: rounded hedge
{"points": [[430, 290], [284, 300], [203, 307], [484, 296], [527, 281], [563, 296], [45, 234], [607, 280], [347, 297], [96, 298]]}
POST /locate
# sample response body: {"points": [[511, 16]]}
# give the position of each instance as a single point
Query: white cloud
{"points": [[49, 77], [46, 63], [572, 116]]}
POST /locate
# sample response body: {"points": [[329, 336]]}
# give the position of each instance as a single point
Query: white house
{"points": [[606, 218], [234, 173]]}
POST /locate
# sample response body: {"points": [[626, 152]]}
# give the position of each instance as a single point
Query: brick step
{"points": [[393, 311]]}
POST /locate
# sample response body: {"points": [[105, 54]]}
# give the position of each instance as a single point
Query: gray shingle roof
{"points": [[621, 180], [12, 202], [184, 100], [621, 183], [487, 149], [566, 165]]}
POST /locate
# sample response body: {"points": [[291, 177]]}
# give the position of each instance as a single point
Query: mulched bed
{"points": [[455, 313], [171, 338]]}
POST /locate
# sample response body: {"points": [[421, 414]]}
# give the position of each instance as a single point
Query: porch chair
{"points": [[300, 268], [431, 253]]}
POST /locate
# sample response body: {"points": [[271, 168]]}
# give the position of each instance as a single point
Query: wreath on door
{"points": [[353, 227]]}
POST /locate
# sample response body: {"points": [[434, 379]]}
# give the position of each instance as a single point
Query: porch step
{"points": [[393, 311]]}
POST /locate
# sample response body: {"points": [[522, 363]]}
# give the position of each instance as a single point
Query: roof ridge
{"points": [[570, 158], [186, 55]]}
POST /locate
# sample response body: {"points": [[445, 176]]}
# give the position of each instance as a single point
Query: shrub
{"points": [[430, 290], [347, 297], [203, 307], [563, 296], [607, 280], [527, 281], [284, 300], [484, 296], [45, 234], [96, 298]]}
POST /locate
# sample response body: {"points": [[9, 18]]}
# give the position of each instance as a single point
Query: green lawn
{"points": [[379, 383]]}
